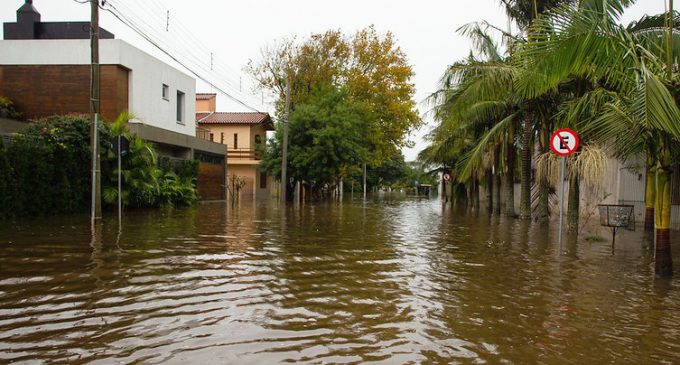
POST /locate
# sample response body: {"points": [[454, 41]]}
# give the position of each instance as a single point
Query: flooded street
{"points": [[386, 282]]}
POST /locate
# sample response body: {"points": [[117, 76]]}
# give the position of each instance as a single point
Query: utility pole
{"points": [[671, 25], [96, 211], [284, 160], [364, 180]]}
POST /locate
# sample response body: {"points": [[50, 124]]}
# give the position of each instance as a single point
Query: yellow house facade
{"points": [[245, 136]]}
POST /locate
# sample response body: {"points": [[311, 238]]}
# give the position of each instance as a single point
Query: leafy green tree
{"points": [[368, 66], [326, 135]]}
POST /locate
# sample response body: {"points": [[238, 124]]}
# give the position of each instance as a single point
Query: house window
{"points": [[258, 139], [235, 140], [263, 179], [180, 107], [166, 92]]}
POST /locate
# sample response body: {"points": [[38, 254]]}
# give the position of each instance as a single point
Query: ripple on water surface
{"points": [[393, 281]]}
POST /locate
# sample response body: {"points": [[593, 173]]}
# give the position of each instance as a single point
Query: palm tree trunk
{"points": [[452, 193], [574, 203], [463, 194], [650, 191], [496, 180], [489, 190], [525, 187], [663, 265], [475, 192], [510, 175], [543, 186]]}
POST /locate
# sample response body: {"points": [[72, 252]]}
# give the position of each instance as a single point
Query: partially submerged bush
{"points": [[47, 169]]}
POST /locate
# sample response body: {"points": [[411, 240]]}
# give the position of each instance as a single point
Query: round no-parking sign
{"points": [[564, 142]]}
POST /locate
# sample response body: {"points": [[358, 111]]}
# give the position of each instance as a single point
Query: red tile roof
{"points": [[205, 96], [200, 116], [235, 118]]}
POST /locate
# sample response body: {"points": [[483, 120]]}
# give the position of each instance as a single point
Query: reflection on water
{"points": [[390, 281]]}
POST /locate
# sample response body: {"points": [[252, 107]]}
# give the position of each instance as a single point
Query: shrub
{"points": [[49, 167], [147, 180], [47, 170], [7, 109]]}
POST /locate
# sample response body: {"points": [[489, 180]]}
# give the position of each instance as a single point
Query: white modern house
{"points": [[156, 93], [45, 70]]}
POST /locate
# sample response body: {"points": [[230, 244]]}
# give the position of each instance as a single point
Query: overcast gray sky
{"points": [[235, 31]]}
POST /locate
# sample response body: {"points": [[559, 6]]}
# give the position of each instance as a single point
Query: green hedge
{"points": [[46, 170]]}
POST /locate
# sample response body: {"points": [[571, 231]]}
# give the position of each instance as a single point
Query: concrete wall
{"points": [[206, 106], [146, 77], [252, 175], [246, 134], [243, 132], [11, 126]]}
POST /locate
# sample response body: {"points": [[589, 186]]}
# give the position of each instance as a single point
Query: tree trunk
{"points": [[489, 190], [663, 265], [460, 195], [574, 204], [475, 193], [496, 180], [453, 194], [525, 190], [509, 175], [543, 212], [650, 191]]}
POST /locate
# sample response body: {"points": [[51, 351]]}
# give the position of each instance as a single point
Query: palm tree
{"points": [[635, 66], [524, 13], [476, 109]]}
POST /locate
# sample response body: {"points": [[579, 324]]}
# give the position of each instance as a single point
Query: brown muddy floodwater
{"points": [[383, 282]]}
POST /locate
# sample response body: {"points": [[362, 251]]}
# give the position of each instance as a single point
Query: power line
{"points": [[180, 34], [156, 41]]}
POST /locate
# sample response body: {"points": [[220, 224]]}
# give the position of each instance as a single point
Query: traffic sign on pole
{"points": [[564, 142]]}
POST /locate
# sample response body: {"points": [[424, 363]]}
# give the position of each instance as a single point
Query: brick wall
{"points": [[43, 90]]}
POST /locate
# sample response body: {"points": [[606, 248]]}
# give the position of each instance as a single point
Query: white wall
{"points": [[147, 75]]}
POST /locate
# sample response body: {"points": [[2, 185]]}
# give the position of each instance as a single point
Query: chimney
{"points": [[28, 22]]}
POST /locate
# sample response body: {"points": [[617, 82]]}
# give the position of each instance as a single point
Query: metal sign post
{"points": [[563, 142], [562, 168], [120, 190], [121, 147]]}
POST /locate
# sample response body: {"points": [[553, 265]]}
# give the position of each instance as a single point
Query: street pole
{"points": [[284, 159], [671, 24], [96, 211], [562, 168], [120, 190], [364, 180]]}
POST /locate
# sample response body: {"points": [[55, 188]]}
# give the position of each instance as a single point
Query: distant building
{"points": [[45, 70], [29, 26], [245, 136]]}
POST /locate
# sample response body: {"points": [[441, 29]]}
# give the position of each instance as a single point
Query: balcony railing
{"points": [[243, 154], [203, 133]]}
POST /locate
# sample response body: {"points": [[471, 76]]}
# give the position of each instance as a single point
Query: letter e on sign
{"points": [[564, 142]]}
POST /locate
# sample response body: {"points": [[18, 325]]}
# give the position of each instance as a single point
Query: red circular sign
{"points": [[564, 142], [447, 176]]}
